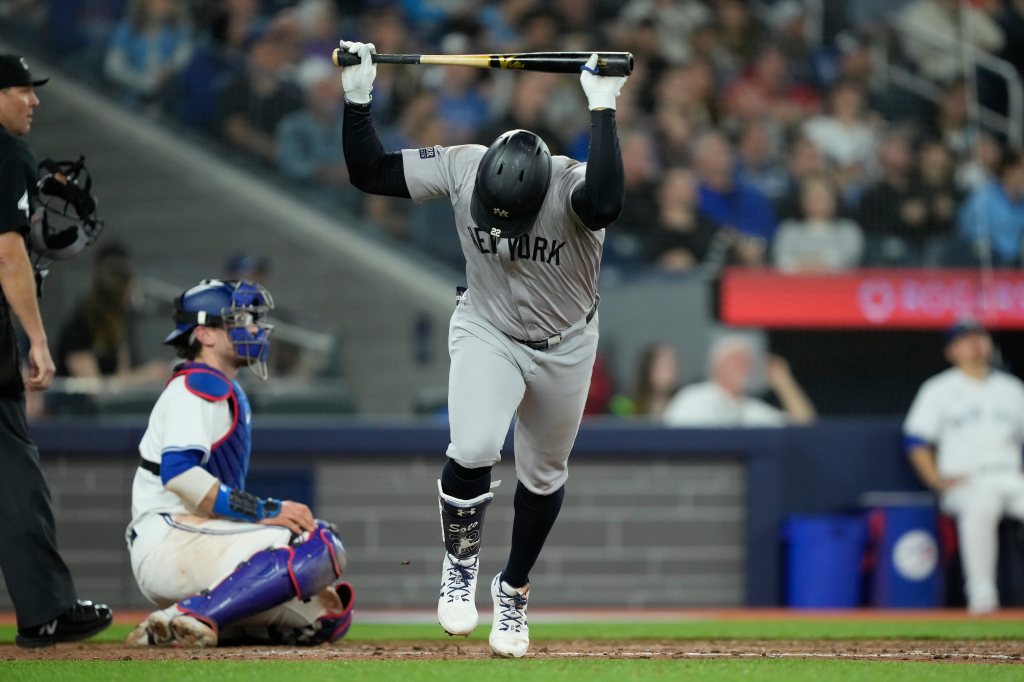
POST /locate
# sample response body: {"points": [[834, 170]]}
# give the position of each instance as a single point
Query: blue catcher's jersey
{"points": [[200, 411]]}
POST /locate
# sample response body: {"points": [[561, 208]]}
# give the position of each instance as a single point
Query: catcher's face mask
{"points": [[66, 221], [247, 327], [239, 307]]}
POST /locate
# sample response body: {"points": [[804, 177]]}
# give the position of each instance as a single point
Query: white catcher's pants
{"points": [[978, 504], [493, 378], [173, 558]]}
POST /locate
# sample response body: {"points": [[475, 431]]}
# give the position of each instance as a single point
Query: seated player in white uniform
{"points": [[224, 565], [964, 435]]}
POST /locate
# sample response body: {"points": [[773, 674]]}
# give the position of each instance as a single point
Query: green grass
{"points": [[691, 629], [499, 670]]}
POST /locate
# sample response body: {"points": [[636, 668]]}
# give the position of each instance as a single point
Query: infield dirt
{"points": [[972, 651]]}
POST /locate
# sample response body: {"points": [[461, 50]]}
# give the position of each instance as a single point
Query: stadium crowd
{"points": [[752, 132]]}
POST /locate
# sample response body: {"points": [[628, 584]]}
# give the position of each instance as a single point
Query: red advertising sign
{"points": [[905, 299]]}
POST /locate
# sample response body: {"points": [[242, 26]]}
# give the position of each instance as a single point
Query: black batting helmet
{"points": [[511, 183]]}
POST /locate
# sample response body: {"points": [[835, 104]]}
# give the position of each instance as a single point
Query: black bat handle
{"points": [[344, 58]]}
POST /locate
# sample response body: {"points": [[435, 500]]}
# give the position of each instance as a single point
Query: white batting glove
{"points": [[601, 91], [358, 80]]}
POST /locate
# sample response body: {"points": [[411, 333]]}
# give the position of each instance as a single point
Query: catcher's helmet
{"points": [[511, 183], [237, 306], [66, 222]]}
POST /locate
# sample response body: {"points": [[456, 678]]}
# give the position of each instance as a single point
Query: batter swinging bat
{"points": [[608, 63]]}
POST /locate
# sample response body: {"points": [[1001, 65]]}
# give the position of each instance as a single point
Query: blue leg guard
{"points": [[271, 577]]}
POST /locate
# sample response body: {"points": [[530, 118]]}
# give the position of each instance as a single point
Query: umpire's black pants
{"points": [[38, 580]]}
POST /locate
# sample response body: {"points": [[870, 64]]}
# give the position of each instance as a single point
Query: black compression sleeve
{"points": [[370, 168], [598, 202]]}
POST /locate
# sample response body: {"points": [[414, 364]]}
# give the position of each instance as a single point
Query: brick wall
{"points": [[634, 531]]}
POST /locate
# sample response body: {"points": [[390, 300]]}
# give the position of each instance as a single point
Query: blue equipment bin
{"points": [[824, 554], [907, 571]]}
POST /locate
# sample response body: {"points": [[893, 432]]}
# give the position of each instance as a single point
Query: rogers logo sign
{"points": [[938, 298], [877, 299]]}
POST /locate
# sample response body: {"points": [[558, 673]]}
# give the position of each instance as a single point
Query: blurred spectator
{"points": [[937, 183], [540, 30], [873, 17], [501, 21], [683, 96], [217, 56], [639, 160], [991, 221], [459, 97], [526, 109], [258, 98], [758, 160], [318, 21], [98, 339], [822, 241], [250, 266], [309, 140], [803, 161], [950, 123], [982, 165], [769, 89], [736, 206], [683, 237], [71, 26], [790, 28], [723, 401], [601, 389], [963, 436], [845, 136], [850, 58], [577, 16], [147, 48], [892, 211], [741, 35], [657, 380], [673, 21], [926, 18], [286, 358]]}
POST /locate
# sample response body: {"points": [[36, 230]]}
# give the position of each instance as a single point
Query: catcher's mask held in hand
{"points": [[66, 220], [240, 307]]}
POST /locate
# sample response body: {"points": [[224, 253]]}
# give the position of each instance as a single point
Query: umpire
{"points": [[38, 580]]}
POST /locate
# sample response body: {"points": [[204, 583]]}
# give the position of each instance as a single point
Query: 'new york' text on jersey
{"points": [[532, 286]]}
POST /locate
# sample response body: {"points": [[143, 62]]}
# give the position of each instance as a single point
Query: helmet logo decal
{"points": [[500, 212], [495, 232]]}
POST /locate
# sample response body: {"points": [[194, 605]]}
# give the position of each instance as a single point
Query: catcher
{"points": [[224, 565]]}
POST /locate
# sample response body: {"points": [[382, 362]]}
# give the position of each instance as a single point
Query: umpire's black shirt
{"points": [[17, 201]]}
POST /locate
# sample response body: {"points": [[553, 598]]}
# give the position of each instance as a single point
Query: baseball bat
{"points": [[608, 63]]}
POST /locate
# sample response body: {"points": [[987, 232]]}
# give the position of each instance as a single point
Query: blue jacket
{"points": [[989, 214]]}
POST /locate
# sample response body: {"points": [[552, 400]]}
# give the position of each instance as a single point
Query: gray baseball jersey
{"points": [[529, 287]]}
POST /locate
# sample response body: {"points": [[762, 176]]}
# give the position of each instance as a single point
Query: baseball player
{"points": [[223, 564], [523, 336], [964, 435]]}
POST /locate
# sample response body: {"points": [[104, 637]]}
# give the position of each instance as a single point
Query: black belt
{"points": [[151, 467], [544, 344]]}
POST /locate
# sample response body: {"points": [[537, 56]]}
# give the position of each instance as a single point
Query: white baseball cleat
{"points": [[456, 604], [982, 600], [158, 627], [139, 636], [192, 632], [510, 633]]}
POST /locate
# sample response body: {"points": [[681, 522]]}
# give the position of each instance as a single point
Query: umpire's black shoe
{"points": [[81, 621]]}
